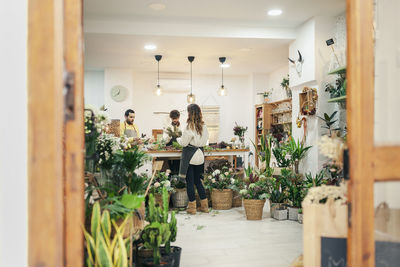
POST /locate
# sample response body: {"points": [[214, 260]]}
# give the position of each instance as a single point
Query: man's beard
{"points": [[129, 122], [176, 123]]}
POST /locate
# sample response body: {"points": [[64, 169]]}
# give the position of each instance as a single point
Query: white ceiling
{"points": [[126, 51], [253, 42], [236, 12]]}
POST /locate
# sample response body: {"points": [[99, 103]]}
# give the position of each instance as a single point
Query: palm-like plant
{"points": [[297, 151]]}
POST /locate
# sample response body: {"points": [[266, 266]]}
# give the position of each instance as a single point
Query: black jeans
{"points": [[193, 178]]}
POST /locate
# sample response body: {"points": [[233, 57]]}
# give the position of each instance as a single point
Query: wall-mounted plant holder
{"points": [[308, 101]]}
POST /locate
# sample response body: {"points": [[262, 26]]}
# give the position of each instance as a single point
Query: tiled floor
{"points": [[226, 238]]}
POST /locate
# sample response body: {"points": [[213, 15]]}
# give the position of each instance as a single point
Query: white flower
{"points": [[157, 184], [226, 173], [217, 171], [243, 192], [167, 183], [252, 186], [209, 177], [213, 180], [232, 181], [167, 172]]}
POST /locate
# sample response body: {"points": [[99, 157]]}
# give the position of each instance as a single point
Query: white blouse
{"points": [[191, 137]]}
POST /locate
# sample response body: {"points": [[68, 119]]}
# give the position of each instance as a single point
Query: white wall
{"points": [[94, 88], [13, 136], [274, 81], [236, 107]]}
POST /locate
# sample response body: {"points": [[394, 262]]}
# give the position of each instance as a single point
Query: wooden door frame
{"points": [[55, 147], [368, 163]]}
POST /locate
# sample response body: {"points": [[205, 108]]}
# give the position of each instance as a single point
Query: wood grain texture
{"points": [[74, 137], [386, 163], [360, 114], [45, 123]]}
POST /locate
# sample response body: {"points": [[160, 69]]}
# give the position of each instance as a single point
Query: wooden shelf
{"points": [[281, 112], [281, 123], [280, 101]]}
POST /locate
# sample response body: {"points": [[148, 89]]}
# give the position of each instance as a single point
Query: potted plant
{"points": [[297, 151], [219, 183], [281, 154], [179, 197], [254, 195], [236, 186], [294, 186], [266, 95], [277, 197], [155, 234], [173, 251], [285, 86], [103, 248], [300, 216], [160, 181], [240, 131]]}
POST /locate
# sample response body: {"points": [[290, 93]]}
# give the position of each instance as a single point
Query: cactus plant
{"points": [[154, 235], [173, 230], [102, 248]]}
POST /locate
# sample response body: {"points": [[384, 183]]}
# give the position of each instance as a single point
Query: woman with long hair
{"points": [[194, 138]]}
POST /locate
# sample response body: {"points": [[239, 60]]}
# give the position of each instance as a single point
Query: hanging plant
{"points": [[285, 86]]}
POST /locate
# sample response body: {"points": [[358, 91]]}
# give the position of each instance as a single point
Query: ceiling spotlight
{"points": [[275, 12], [225, 65], [150, 47], [157, 6]]}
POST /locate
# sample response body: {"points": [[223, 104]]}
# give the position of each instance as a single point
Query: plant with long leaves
{"points": [[329, 122], [297, 150], [294, 186], [280, 152], [264, 151], [102, 248]]}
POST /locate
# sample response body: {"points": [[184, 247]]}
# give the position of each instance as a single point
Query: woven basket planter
{"points": [[158, 198], [254, 208], [180, 198], [236, 199], [221, 199]]}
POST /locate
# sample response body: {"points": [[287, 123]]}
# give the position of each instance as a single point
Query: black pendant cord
{"points": [[191, 79], [158, 72], [222, 77]]}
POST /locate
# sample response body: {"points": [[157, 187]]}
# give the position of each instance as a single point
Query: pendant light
{"points": [[158, 89], [191, 98], [222, 91]]}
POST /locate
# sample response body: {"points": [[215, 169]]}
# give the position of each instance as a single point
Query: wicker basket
{"points": [[158, 198], [221, 199], [254, 208], [180, 198], [236, 199]]}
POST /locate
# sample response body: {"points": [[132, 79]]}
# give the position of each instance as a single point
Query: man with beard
{"points": [[172, 130], [128, 128]]}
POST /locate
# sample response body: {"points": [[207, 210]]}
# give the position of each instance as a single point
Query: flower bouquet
{"points": [[160, 181], [240, 131]]}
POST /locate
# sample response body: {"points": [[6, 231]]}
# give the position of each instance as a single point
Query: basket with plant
{"points": [[255, 193], [219, 182]]}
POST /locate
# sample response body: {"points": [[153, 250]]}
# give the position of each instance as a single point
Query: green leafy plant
{"points": [[121, 206], [293, 184], [103, 249], [160, 181], [339, 88], [255, 187], [317, 180], [285, 86], [280, 152], [329, 122], [176, 146], [297, 151], [277, 195], [178, 182], [264, 151]]}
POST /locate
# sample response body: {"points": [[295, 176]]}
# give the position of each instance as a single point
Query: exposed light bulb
{"points": [[158, 90], [191, 98], [225, 65], [222, 91]]}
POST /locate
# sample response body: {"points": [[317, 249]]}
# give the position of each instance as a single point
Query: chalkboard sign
{"points": [[334, 253], [329, 42]]}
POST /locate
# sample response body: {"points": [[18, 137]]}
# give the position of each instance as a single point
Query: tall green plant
{"points": [[280, 152], [103, 249], [329, 122], [294, 186], [264, 152]]}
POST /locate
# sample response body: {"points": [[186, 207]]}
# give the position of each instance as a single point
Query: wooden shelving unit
{"points": [[271, 114]]}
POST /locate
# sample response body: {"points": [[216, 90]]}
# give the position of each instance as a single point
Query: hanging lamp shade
{"points": [[191, 98], [222, 91], [158, 91]]}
